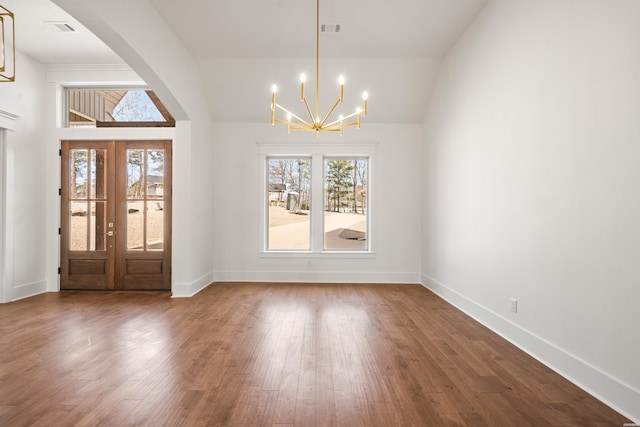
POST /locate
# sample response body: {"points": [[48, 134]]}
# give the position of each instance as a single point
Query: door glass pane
{"points": [[145, 192], [135, 174], [289, 198], [155, 174], [78, 168], [135, 225], [98, 226], [155, 225], [345, 210], [98, 168], [78, 223]]}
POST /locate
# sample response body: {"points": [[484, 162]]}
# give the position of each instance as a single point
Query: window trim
{"points": [[317, 152]]}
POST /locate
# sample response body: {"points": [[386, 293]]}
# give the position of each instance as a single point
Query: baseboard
{"points": [[186, 290], [614, 393], [315, 277], [27, 290]]}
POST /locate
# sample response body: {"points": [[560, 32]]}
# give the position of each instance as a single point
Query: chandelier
{"points": [[315, 122], [7, 46]]}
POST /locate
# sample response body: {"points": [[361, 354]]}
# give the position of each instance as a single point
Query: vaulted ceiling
{"points": [[241, 47]]}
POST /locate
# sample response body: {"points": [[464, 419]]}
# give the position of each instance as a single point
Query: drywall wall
{"points": [[238, 189], [24, 202], [531, 185]]}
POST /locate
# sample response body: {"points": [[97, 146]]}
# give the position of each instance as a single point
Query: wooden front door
{"points": [[116, 215]]}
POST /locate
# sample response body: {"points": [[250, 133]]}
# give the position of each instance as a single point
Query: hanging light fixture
{"points": [[315, 122], [7, 46]]}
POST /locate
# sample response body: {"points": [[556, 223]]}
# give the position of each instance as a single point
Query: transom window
{"points": [[125, 107]]}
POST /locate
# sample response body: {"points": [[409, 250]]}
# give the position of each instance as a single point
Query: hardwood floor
{"points": [[242, 354]]}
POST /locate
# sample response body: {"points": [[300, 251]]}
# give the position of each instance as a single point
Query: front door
{"points": [[116, 215]]}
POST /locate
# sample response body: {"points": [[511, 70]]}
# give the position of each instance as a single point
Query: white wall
{"points": [[532, 185], [26, 185], [237, 186]]}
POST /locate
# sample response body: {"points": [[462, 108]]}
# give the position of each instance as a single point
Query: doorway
{"points": [[115, 215]]}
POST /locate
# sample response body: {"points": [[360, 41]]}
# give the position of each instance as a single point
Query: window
{"points": [[289, 191], [317, 202], [126, 107], [345, 207]]}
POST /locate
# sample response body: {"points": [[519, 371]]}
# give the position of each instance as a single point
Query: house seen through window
{"points": [[116, 108]]}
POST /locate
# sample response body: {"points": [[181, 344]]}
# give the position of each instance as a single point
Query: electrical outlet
{"points": [[514, 305]]}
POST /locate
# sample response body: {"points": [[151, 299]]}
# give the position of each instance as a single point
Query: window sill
{"points": [[317, 255]]}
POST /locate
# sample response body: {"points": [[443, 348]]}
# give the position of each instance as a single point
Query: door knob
{"points": [[109, 233]]}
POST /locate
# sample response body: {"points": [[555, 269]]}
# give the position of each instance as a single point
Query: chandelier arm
{"points": [[355, 113], [350, 124], [302, 128], [292, 115], [284, 121], [306, 104], [329, 113]]}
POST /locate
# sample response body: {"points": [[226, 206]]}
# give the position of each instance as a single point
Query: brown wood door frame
{"points": [[147, 269], [115, 267], [88, 269]]}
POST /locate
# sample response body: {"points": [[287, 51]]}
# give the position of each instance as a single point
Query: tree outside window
{"points": [[345, 219]]}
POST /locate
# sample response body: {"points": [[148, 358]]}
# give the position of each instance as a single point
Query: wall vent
{"points": [[330, 28]]}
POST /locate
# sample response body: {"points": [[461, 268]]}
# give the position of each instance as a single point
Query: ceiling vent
{"points": [[62, 27], [330, 28]]}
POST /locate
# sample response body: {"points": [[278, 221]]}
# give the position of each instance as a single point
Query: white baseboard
{"points": [[315, 277], [611, 391], [186, 290], [27, 290]]}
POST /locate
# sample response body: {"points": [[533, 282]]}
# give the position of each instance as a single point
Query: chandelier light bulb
{"points": [[365, 97], [274, 89], [341, 81], [303, 78]]}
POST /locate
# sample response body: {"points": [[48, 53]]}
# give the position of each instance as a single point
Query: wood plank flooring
{"points": [[241, 354]]}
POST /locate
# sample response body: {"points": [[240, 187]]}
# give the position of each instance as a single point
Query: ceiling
{"points": [[286, 28], [39, 38], [391, 49]]}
